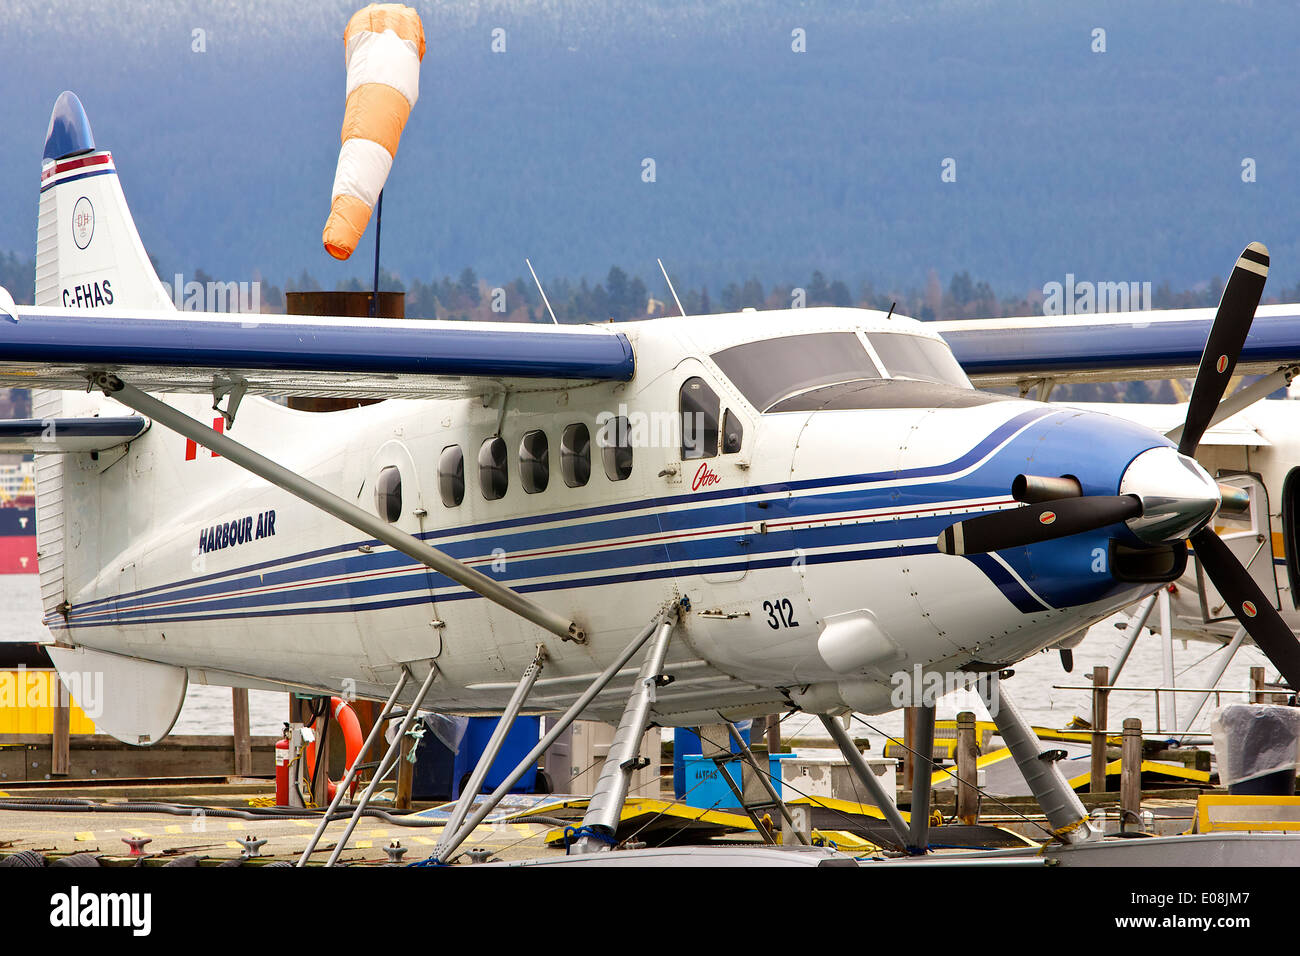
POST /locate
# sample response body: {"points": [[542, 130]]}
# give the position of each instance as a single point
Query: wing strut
{"points": [[340, 508]]}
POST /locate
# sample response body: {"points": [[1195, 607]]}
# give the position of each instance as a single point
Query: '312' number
{"points": [[780, 614]]}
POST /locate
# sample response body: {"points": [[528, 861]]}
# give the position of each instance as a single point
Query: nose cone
{"points": [[1178, 495]]}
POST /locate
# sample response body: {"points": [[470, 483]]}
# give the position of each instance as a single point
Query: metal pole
{"points": [[1061, 805], [1135, 625], [922, 769], [868, 779], [340, 508], [762, 779], [354, 769], [1229, 652], [1170, 679], [384, 765], [489, 755], [450, 842], [607, 801]]}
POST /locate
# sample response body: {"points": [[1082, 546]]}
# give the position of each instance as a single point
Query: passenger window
{"points": [[388, 494], [575, 455], [699, 410], [451, 476], [733, 433], [493, 477], [534, 462], [615, 441]]}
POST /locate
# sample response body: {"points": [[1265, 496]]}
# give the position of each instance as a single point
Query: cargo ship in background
{"points": [[18, 518]]}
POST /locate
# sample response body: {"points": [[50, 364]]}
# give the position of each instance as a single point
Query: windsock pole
{"points": [[379, 223]]}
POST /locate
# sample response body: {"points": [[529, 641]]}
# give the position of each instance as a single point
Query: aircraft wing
{"points": [[1112, 347], [160, 351]]}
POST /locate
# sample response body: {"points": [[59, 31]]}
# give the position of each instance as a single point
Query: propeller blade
{"points": [[1255, 612], [1038, 522], [1223, 346]]}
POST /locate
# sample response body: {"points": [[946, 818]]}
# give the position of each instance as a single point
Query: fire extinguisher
{"points": [[282, 769]]}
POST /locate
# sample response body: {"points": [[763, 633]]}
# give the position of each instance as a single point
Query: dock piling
{"points": [[242, 740], [1100, 707], [967, 772], [1130, 781]]}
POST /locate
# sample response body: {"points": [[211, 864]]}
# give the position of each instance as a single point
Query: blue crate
{"points": [[707, 790]]}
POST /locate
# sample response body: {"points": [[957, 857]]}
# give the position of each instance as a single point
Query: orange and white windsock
{"points": [[383, 44]]}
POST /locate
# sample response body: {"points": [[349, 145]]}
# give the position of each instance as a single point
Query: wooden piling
{"points": [[773, 728], [405, 775], [320, 784], [61, 738], [242, 740], [909, 736], [967, 772], [1257, 695], [1130, 781], [1100, 706]]}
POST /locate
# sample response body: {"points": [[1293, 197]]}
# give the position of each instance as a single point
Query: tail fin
{"points": [[88, 253]]}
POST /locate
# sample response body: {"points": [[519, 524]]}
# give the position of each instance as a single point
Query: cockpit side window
{"points": [[733, 433], [699, 410], [769, 370], [917, 358]]}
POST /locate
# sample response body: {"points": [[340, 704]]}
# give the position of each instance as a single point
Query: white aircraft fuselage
{"points": [[807, 552]]}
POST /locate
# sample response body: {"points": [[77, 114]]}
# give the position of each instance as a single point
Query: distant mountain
{"points": [[1117, 166]]}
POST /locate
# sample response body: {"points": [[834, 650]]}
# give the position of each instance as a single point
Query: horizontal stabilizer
{"points": [[160, 351], [1113, 346], [31, 435]]}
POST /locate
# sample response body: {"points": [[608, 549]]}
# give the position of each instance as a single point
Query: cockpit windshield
{"points": [[769, 370], [918, 358]]}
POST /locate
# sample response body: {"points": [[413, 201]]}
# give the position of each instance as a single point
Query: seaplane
{"points": [[768, 511]]}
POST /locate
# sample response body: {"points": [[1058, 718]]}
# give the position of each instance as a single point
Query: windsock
{"points": [[383, 46]]}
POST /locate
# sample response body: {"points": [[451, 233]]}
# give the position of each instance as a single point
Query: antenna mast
{"points": [[670, 286], [542, 291]]}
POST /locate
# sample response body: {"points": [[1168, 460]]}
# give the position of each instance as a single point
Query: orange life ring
{"points": [[346, 718]]}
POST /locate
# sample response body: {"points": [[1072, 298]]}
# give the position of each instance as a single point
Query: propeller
{"points": [[1227, 336], [1074, 513], [1255, 612], [1037, 522]]}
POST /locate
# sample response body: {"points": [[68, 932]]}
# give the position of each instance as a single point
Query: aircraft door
{"points": [[706, 522], [1249, 537], [392, 490]]}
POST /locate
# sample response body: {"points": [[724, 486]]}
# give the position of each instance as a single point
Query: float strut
{"points": [[442, 852], [390, 757], [489, 755], [355, 768], [624, 754]]}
